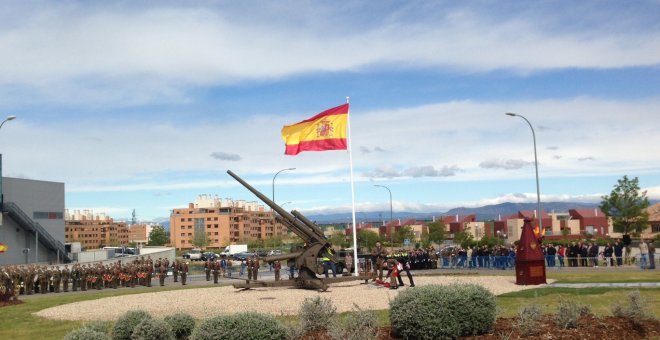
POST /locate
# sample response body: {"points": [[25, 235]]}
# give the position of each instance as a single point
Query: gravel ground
{"points": [[208, 302]]}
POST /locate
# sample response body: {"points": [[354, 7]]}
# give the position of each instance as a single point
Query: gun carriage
{"points": [[306, 260]]}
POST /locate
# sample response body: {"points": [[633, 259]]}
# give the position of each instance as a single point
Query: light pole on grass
{"points": [[536, 166], [277, 173], [391, 217]]}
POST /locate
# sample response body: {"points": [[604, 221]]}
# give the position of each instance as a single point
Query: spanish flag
{"points": [[325, 131]]}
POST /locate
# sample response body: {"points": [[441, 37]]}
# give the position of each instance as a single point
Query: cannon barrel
{"points": [[291, 226], [300, 229], [282, 257], [309, 223]]}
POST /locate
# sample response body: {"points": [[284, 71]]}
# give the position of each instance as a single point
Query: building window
{"points": [[655, 228], [47, 215]]}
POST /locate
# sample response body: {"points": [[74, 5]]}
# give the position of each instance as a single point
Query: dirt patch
{"points": [[589, 327], [10, 303]]}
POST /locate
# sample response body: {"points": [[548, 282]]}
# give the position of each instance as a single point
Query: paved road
{"points": [[199, 280]]}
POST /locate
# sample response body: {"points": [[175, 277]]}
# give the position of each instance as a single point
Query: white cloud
{"points": [[167, 155], [223, 156], [507, 164], [133, 54]]}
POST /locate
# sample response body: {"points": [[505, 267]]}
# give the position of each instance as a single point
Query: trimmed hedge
{"points": [[443, 312], [182, 324], [152, 329], [123, 328], [86, 334], [315, 313], [242, 326]]}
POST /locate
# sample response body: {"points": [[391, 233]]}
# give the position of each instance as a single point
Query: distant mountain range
{"points": [[485, 213], [488, 212]]}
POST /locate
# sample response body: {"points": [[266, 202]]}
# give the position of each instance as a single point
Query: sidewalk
{"points": [[606, 285]]}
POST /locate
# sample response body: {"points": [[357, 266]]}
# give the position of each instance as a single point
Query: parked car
{"points": [[195, 255], [261, 253], [274, 252], [243, 255], [209, 255]]}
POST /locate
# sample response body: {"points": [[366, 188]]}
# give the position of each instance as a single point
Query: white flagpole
{"points": [[350, 161]]}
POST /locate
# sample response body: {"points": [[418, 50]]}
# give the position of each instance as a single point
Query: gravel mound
{"points": [[207, 302]]}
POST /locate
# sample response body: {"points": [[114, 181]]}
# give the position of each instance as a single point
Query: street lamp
{"points": [[536, 165], [6, 120], [391, 219], [277, 173]]}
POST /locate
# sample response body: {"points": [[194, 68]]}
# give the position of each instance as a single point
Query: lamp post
{"points": [[536, 166], [2, 196], [277, 173], [6, 120], [391, 219]]}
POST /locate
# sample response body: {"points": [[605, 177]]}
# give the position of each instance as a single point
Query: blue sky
{"points": [[145, 106]]}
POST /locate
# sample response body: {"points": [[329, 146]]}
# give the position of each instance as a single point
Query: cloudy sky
{"points": [[146, 105]]}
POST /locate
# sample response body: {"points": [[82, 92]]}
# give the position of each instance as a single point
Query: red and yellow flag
{"points": [[327, 130]]}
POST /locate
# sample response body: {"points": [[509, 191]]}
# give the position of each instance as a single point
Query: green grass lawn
{"points": [[17, 322], [603, 276]]}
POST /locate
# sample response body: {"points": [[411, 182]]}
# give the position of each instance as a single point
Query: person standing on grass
{"points": [[651, 246], [561, 252], [643, 254], [607, 253], [349, 262], [618, 253]]}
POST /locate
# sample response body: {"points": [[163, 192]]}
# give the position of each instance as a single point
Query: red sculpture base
{"points": [[530, 273]]}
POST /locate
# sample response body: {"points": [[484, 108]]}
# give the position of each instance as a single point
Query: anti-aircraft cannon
{"points": [[307, 259]]}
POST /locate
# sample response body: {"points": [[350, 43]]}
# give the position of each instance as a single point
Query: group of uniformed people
{"points": [[29, 279], [396, 263], [222, 267]]}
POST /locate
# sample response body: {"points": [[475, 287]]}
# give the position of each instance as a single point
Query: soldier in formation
{"points": [[215, 268], [277, 267], [175, 271], [378, 257], [183, 268]]}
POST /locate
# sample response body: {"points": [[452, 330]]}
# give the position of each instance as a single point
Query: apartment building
{"points": [[139, 233], [224, 222], [95, 231]]}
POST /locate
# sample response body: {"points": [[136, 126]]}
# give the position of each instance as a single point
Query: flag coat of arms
{"points": [[327, 130]]}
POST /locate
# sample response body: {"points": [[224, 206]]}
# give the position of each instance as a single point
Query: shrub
{"points": [[442, 312], [123, 328], [529, 318], [98, 326], [359, 325], [152, 329], [85, 333], [569, 313], [242, 326], [316, 313], [182, 324], [636, 311]]}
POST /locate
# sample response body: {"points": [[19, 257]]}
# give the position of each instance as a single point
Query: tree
{"points": [[338, 238], [158, 236], [200, 239], [404, 233], [464, 238], [436, 232], [367, 239], [625, 205]]}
